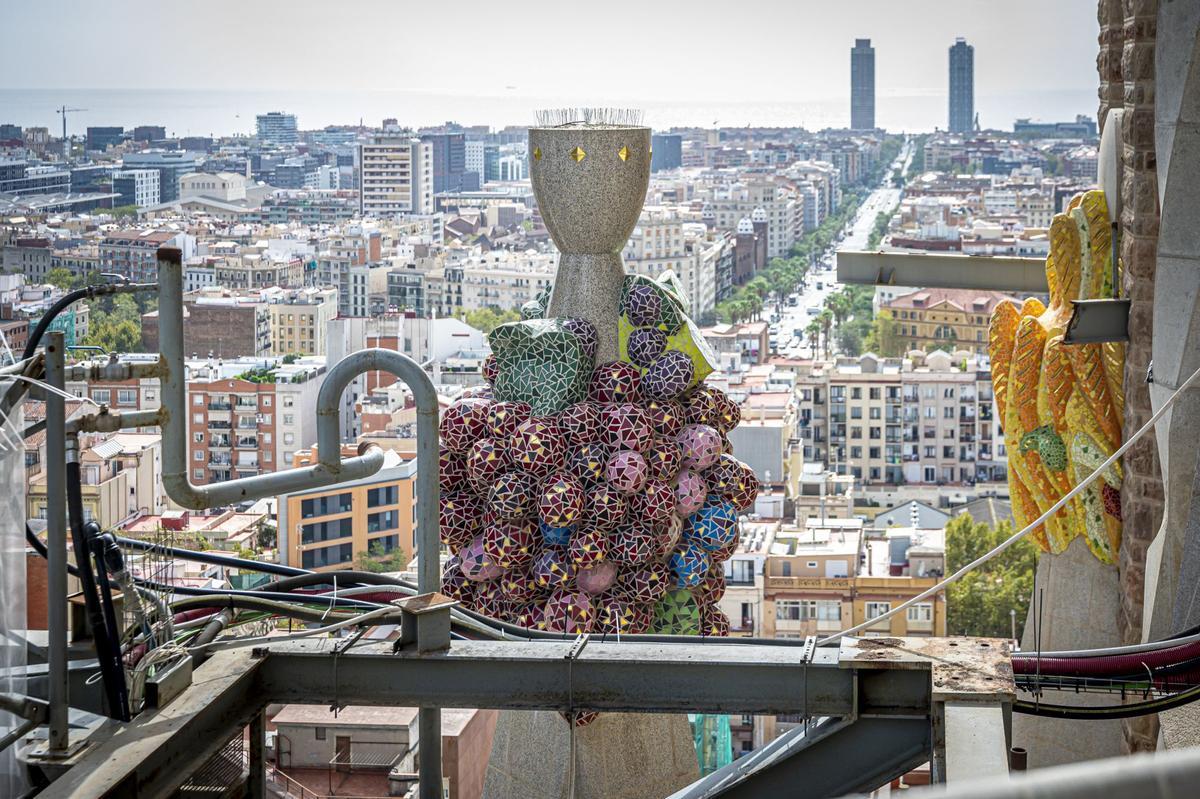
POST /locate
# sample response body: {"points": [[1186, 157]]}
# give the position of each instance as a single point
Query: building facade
{"points": [[395, 176], [276, 127], [862, 85], [962, 87]]}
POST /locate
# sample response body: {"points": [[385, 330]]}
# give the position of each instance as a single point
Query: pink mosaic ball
{"points": [[690, 491], [605, 506], [580, 423], [645, 344], [664, 458], [463, 423], [597, 578], [487, 460], [587, 547], [713, 622], [669, 375], [635, 544], [491, 369], [538, 447], [569, 612], [655, 502], [513, 496], [615, 381], [505, 417], [701, 406], [587, 462], [748, 493], [476, 565], [509, 544], [561, 500], [552, 568], [626, 426], [460, 515], [645, 585], [701, 445], [666, 416], [452, 470], [626, 471]]}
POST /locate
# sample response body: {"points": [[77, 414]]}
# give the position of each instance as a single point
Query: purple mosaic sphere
{"points": [[509, 544], [538, 446], [664, 458], [505, 417], [587, 462], [580, 423], [634, 544], [615, 381], [487, 460], [645, 344], [627, 426], [667, 416], [561, 500], [569, 612], [585, 333], [513, 495], [463, 423], [669, 375], [643, 306], [552, 568], [605, 507]]}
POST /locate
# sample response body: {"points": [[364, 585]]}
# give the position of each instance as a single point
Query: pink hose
{"points": [[1105, 665]]}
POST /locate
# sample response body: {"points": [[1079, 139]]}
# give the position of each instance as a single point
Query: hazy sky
{"points": [[612, 50]]}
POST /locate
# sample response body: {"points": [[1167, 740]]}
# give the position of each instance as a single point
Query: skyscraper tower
{"points": [[962, 87], [862, 85]]}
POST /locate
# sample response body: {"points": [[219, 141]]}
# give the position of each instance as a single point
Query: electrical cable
{"points": [[1131, 710], [111, 669], [236, 643]]}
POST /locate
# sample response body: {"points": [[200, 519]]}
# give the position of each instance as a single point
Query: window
{"points": [[947, 413], [267, 456], [808, 610], [198, 418], [874, 452], [812, 564], [929, 392], [197, 399], [786, 568], [319, 733], [930, 412], [324, 506], [921, 612], [266, 400], [740, 571], [197, 474], [384, 520], [877, 609], [930, 474], [102, 395], [198, 455], [383, 495], [289, 419], [326, 531], [126, 396], [876, 413], [856, 392], [289, 438], [856, 412], [948, 393], [198, 438], [288, 400], [856, 452]]}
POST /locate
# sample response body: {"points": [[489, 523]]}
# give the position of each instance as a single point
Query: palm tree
{"points": [[813, 331], [826, 320]]}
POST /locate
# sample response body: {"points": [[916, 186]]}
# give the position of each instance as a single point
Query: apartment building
{"points": [[247, 416], [300, 319], [922, 420], [121, 476], [955, 319], [352, 263], [328, 529], [781, 208], [395, 176], [501, 279], [137, 187]]}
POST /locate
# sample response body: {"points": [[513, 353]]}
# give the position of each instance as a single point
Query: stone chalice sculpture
{"points": [[590, 170]]}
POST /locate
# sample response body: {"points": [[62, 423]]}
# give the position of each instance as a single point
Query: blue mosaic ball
{"points": [[689, 564], [556, 536], [714, 525]]}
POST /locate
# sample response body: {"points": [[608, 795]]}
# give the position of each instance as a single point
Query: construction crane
{"points": [[66, 145]]}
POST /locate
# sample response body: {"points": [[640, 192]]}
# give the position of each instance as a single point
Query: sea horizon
{"points": [[224, 112]]}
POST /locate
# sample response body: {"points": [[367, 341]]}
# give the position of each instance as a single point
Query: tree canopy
{"points": [[981, 602]]}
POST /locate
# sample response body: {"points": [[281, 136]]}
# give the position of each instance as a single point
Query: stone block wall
{"points": [[1125, 67]]}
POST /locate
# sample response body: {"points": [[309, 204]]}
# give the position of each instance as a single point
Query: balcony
{"points": [[246, 423], [818, 583], [218, 425], [219, 406], [247, 443], [219, 463], [220, 442]]}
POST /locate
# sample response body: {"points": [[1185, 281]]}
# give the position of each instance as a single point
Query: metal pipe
{"points": [[106, 421], [18, 367], [56, 541], [1018, 758], [330, 468], [114, 370], [256, 782]]}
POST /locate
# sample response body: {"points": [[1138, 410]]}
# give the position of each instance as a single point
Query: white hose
{"points": [[1017, 536]]}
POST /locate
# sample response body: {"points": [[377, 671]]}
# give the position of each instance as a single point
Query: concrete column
{"points": [[256, 781]]}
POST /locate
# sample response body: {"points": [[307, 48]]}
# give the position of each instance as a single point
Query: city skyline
{"points": [[1056, 53]]}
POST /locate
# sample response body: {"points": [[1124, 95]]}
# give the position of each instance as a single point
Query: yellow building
{"points": [[299, 319], [829, 577], [327, 529], [946, 319]]}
